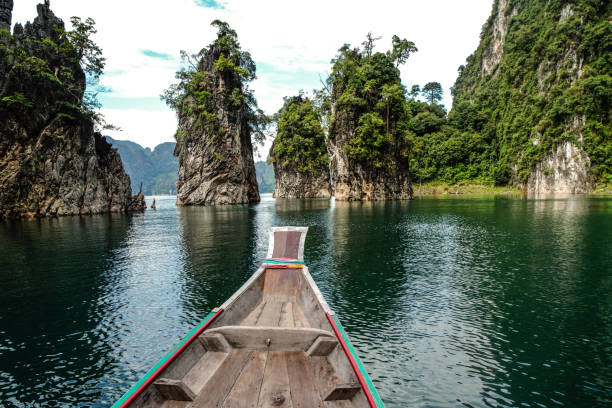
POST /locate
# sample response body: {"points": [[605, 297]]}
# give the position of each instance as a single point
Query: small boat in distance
{"points": [[274, 343]]}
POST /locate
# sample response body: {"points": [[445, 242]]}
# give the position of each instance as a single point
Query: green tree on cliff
{"points": [[432, 92], [300, 139], [193, 93], [415, 91], [401, 50], [53, 67], [366, 87]]}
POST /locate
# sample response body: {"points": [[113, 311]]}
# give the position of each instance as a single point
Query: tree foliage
{"points": [[432, 91], [367, 91], [300, 139], [197, 87], [552, 84], [62, 70]]}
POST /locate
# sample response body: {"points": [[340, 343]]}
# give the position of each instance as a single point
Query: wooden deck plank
{"points": [[286, 244], [286, 317], [270, 316], [246, 390], [253, 317], [216, 389], [275, 390], [282, 282], [303, 391], [299, 318], [204, 369]]}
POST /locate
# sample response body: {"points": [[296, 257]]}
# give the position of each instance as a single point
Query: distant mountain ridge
{"points": [[157, 169], [265, 177]]}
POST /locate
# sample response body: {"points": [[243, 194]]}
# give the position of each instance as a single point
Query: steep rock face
{"points": [[495, 49], [537, 90], [52, 162], [368, 140], [355, 182], [566, 170], [214, 146], [299, 154], [291, 183], [6, 11]]}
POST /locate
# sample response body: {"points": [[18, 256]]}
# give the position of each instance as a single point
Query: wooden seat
{"points": [[272, 338]]}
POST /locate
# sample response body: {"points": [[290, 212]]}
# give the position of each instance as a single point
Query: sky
{"points": [[291, 43]]}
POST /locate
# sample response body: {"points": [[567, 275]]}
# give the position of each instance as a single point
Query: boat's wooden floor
{"points": [[299, 367]]}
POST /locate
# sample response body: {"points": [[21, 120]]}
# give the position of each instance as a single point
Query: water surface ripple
{"points": [[449, 302]]}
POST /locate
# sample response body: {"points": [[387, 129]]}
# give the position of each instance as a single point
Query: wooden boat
{"points": [[274, 343]]}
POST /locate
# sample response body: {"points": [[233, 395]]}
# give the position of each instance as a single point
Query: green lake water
{"points": [[449, 302]]}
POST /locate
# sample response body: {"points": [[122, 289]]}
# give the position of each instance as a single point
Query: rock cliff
{"points": [[52, 161], [354, 181], [368, 139], [216, 119], [301, 162], [565, 170], [537, 91], [6, 12]]}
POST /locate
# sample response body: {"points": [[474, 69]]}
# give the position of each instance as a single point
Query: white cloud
{"points": [[143, 127], [295, 38]]}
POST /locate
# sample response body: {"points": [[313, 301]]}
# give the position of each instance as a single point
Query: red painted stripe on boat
{"points": [[362, 381], [161, 368]]}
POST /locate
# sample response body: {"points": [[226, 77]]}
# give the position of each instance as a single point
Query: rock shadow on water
{"points": [[218, 248], [59, 298], [301, 204]]}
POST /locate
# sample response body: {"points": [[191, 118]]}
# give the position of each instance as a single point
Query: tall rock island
{"points": [[369, 139], [217, 115], [299, 155], [537, 92], [52, 161]]}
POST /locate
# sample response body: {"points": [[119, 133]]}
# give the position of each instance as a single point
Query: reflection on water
{"points": [[450, 302]]}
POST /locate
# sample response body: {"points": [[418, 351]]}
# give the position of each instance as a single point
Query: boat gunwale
{"points": [[137, 389]]}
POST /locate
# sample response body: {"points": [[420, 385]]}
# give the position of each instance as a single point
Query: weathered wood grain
{"points": [[286, 244], [286, 317], [303, 391], [172, 389], [275, 390], [204, 369], [322, 346], [281, 282], [214, 342], [245, 392], [216, 389], [281, 338]]}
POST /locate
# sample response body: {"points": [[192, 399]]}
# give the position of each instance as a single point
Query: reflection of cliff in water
{"points": [[297, 204], [218, 247], [367, 251], [553, 253], [65, 264]]}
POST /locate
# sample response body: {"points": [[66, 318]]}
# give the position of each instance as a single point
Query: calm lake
{"points": [[449, 302]]}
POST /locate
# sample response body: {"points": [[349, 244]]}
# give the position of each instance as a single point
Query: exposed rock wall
{"points": [[494, 52], [354, 181], [537, 81], [216, 164], [52, 163], [299, 154], [6, 11], [565, 170], [291, 183]]}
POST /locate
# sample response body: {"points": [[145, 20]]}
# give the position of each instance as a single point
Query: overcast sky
{"points": [[291, 42]]}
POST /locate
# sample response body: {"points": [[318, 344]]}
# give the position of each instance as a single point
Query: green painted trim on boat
{"points": [[362, 369], [160, 362]]}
